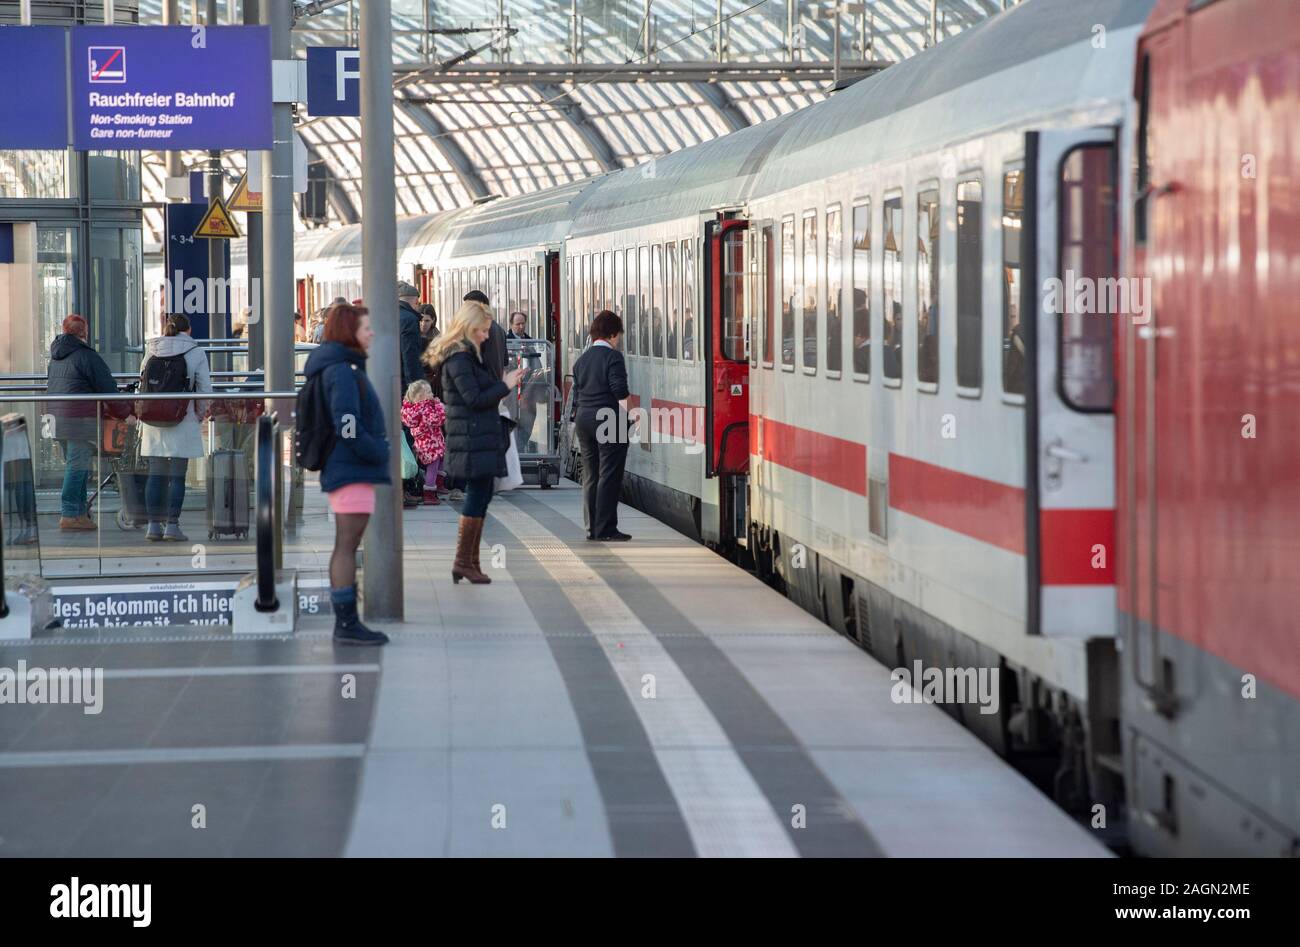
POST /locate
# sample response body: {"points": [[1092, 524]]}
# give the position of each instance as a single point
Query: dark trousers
{"points": [[603, 460], [478, 494]]}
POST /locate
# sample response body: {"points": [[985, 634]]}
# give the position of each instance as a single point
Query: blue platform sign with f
{"points": [[333, 80]]}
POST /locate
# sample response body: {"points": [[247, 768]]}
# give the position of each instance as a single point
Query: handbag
{"points": [[409, 467]]}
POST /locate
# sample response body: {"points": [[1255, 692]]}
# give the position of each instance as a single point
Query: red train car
{"points": [[1209, 435]]}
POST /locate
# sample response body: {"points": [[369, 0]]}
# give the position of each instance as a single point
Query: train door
{"points": [[424, 283], [1067, 292], [726, 389]]}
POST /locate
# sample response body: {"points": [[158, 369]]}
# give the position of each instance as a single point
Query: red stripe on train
{"points": [[685, 421], [986, 510], [822, 456], [1070, 541]]}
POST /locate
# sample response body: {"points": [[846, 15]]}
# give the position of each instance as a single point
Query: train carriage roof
{"points": [[1035, 59]]}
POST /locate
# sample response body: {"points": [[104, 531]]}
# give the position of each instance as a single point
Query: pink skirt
{"points": [[354, 498]]}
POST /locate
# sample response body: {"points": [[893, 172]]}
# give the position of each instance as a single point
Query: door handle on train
{"points": [[1057, 454]]}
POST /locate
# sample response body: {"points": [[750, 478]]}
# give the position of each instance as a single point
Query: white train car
{"points": [[825, 335]]}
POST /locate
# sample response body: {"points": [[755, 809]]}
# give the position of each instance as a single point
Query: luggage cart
{"points": [[531, 406], [120, 446]]}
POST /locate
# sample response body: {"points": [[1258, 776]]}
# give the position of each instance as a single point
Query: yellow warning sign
{"points": [[217, 224], [244, 199]]}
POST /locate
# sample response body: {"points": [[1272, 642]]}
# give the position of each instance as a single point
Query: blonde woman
{"points": [[476, 439]]}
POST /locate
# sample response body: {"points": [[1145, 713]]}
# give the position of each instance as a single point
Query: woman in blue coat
{"points": [[476, 438], [357, 461]]}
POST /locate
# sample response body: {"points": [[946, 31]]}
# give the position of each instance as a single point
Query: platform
{"points": [[514, 720]]}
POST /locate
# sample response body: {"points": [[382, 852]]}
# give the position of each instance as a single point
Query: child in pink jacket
{"points": [[423, 416]]}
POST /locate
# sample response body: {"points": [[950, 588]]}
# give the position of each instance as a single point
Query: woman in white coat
{"points": [[169, 448]]}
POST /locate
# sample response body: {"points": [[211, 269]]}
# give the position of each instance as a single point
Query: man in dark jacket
{"points": [[408, 297], [493, 351], [77, 369]]}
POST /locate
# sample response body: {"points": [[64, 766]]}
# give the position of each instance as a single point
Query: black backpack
{"points": [[162, 374], [313, 423]]}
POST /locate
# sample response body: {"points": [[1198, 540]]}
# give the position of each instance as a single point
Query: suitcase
{"points": [[227, 477]]}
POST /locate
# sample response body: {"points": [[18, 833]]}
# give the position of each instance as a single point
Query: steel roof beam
{"points": [[499, 73], [558, 98], [445, 142], [723, 104]]}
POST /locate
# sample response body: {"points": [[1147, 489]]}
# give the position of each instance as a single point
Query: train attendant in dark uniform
{"points": [[600, 383]]}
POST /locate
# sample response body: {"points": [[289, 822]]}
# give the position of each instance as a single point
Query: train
{"points": [[986, 360]]}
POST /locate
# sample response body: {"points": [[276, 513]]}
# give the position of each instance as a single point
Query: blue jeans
{"points": [[79, 456], [478, 494], [164, 489]]}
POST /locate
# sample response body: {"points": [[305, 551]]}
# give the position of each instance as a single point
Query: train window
{"points": [[673, 303], [657, 300], [500, 294], [834, 285], [892, 288], [927, 287], [733, 295], [1144, 154], [811, 290], [1087, 228], [787, 291], [616, 287], [643, 282], [1013, 340], [861, 275], [607, 280], [688, 299], [629, 303], [512, 290], [768, 273], [970, 295], [568, 283]]}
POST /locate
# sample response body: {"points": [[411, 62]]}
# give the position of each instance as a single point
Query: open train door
{"points": [[726, 390], [1068, 289]]}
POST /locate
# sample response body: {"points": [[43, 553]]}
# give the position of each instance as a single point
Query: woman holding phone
{"points": [[476, 438]]}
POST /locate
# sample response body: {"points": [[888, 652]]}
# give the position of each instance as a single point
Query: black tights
{"points": [[348, 528]]}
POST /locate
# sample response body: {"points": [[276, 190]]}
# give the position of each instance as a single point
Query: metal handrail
{"points": [[40, 376], [267, 428], [253, 395]]}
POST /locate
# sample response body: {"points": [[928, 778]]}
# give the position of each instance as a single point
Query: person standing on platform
{"points": [[600, 384], [408, 297], [174, 362], [357, 461], [77, 369], [475, 433], [518, 326]]}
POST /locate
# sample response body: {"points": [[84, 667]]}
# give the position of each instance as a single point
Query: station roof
{"points": [[459, 141]]}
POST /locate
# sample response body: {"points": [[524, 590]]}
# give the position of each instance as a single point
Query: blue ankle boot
{"points": [[348, 628]]}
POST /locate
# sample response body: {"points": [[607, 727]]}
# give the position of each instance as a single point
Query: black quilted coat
{"points": [[476, 436]]}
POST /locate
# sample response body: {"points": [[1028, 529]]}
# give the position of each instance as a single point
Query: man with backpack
{"points": [[77, 369]]}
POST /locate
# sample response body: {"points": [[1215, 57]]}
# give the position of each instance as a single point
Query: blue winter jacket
{"points": [[363, 456]]}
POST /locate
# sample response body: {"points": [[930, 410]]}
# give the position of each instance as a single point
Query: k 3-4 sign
{"points": [[171, 88]]}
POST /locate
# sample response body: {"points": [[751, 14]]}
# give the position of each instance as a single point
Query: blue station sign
{"points": [[334, 80], [33, 87], [171, 88]]}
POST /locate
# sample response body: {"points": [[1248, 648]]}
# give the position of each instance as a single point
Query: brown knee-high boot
{"points": [[466, 564]]}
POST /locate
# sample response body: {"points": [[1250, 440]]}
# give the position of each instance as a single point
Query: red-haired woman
{"points": [[358, 460]]}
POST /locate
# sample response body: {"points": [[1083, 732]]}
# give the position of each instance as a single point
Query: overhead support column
{"points": [[254, 331], [277, 220], [175, 166], [218, 303], [383, 538]]}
